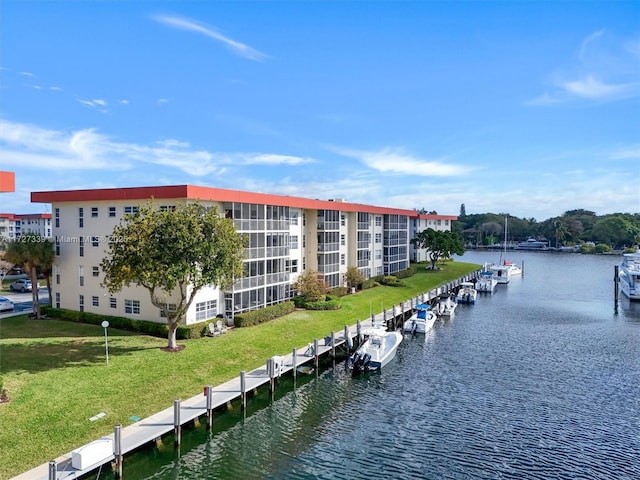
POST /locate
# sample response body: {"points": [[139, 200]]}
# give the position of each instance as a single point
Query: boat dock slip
{"points": [[125, 439]]}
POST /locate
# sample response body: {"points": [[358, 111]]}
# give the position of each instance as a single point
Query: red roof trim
{"points": [[208, 194]]}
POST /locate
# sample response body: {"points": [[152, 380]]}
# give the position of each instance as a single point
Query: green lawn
{"points": [[56, 375]]}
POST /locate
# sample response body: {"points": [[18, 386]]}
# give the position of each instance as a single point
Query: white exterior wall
{"points": [[377, 264], [7, 228], [419, 225], [69, 266]]}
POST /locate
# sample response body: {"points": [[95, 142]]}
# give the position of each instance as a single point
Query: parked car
{"points": [[21, 285], [6, 305]]}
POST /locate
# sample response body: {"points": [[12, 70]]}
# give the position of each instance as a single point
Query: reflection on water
{"points": [[539, 380]]}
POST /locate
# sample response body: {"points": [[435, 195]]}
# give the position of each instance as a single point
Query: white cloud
{"points": [[55, 89], [238, 48], [395, 161], [30, 146], [629, 153], [590, 87], [26, 74]]}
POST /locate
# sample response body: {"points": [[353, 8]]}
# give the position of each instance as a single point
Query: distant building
{"points": [[287, 236], [13, 225], [420, 222]]}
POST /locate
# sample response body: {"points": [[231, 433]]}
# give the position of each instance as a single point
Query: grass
{"points": [[57, 378]]}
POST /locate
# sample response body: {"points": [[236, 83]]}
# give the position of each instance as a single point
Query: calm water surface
{"points": [[540, 380]]}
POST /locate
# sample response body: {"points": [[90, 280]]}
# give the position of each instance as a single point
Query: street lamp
{"points": [[105, 324]]}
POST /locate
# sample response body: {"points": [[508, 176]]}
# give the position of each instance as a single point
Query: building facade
{"points": [[13, 225], [287, 236], [421, 222]]}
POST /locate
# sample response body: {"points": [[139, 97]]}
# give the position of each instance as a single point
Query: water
{"points": [[539, 380]]}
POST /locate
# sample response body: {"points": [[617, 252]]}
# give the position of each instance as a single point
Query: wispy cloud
{"points": [[236, 47], [627, 153], [602, 74], [87, 149], [396, 161]]}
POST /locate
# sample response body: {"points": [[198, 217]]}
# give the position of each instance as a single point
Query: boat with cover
{"points": [[466, 293], [377, 350], [421, 321], [533, 244], [629, 275], [487, 280]]}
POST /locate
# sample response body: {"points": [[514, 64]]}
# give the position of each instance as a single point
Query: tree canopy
{"points": [[173, 253], [440, 244]]}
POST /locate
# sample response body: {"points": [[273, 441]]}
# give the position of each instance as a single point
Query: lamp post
{"points": [[105, 324]]}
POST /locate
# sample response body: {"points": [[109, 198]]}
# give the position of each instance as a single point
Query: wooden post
{"points": [[294, 359], [243, 390], [359, 331], [373, 319], [315, 352], [271, 370], [333, 344], [347, 338], [522, 268], [209, 393], [53, 470], [117, 449], [616, 286], [177, 430]]}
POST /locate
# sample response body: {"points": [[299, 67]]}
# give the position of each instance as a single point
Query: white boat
{"points": [[446, 307], [466, 293], [505, 270], [377, 350], [629, 275], [487, 280], [421, 321], [533, 244]]}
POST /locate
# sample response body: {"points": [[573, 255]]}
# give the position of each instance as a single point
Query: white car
{"points": [[6, 305]]}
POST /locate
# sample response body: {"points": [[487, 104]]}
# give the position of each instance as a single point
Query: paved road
{"points": [[23, 301]]}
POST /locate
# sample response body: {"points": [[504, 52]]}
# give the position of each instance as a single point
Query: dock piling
{"points": [[616, 286], [117, 449], [53, 470], [315, 353], [359, 331], [333, 344], [347, 338], [209, 393], [294, 359], [243, 389], [177, 427]]}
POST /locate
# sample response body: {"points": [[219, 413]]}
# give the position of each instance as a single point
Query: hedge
{"points": [[146, 327], [255, 317]]}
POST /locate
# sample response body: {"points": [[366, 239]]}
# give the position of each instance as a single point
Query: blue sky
{"points": [[527, 108]]}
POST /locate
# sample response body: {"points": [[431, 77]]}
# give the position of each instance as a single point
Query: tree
{"points": [[173, 253], [354, 277], [5, 267], [463, 211], [311, 286], [35, 252], [440, 244]]}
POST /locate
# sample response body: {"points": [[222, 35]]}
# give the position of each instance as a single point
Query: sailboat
{"points": [[505, 269]]}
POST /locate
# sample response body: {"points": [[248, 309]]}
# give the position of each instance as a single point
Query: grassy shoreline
{"points": [[56, 375]]}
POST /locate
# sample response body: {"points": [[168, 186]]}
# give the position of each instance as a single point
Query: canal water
{"points": [[539, 380]]}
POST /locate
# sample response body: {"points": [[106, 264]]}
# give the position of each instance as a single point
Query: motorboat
{"points": [[376, 351], [487, 280], [533, 244], [421, 321], [629, 275], [446, 307], [466, 293]]}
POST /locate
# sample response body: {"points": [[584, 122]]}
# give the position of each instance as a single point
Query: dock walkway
{"points": [[148, 430]]}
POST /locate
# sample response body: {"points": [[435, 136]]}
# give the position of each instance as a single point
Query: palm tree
{"points": [[35, 252]]}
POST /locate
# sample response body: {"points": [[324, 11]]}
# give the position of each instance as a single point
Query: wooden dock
{"points": [[110, 449]]}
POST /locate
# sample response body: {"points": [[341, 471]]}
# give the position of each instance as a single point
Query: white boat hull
{"points": [[420, 325], [629, 275], [376, 352]]}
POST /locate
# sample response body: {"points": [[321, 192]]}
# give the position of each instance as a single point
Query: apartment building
{"points": [[13, 225], [287, 236], [422, 221]]}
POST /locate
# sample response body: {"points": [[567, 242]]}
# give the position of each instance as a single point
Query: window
{"points": [[81, 217], [342, 239], [95, 301], [113, 302], [56, 271], [342, 259], [167, 208], [95, 271], [94, 212], [57, 218], [378, 238], [206, 310], [378, 254], [81, 276], [130, 210], [132, 306], [57, 299], [293, 244], [378, 221], [112, 211], [57, 247], [294, 218], [293, 266], [81, 303], [94, 241], [81, 243], [343, 220], [171, 308]]}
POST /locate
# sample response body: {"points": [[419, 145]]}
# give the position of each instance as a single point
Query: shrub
{"points": [[371, 283], [329, 304], [391, 281], [602, 248], [266, 314], [338, 292]]}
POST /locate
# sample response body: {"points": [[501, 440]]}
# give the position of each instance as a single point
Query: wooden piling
{"points": [[209, 394], [315, 353], [53, 470], [347, 338], [117, 449], [243, 390], [333, 344], [616, 287], [177, 427], [294, 356]]}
